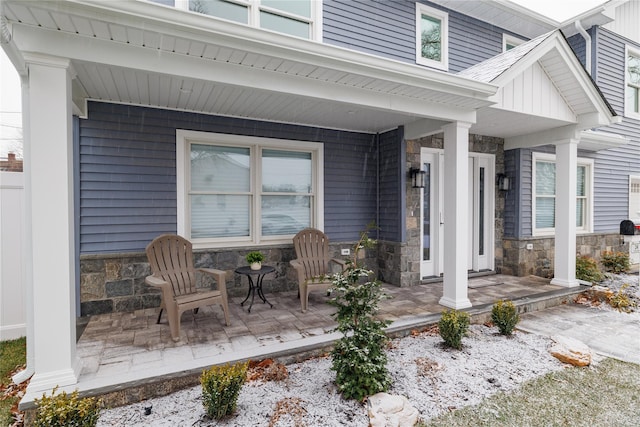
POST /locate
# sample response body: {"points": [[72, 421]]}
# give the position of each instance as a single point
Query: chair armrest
{"points": [[156, 282], [218, 275]]}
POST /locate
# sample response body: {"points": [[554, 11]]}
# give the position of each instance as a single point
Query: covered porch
{"points": [[127, 357], [167, 59]]}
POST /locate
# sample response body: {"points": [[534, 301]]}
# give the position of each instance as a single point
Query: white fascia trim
{"points": [[596, 140], [130, 56], [443, 64], [206, 29], [629, 51]]}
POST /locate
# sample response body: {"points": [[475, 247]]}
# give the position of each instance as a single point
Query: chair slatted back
{"points": [[171, 258], [312, 250]]}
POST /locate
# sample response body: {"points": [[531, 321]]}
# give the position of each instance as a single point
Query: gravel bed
{"points": [[434, 378]]}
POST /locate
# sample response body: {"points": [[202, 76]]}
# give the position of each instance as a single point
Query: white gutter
{"points": [[587, 48]]}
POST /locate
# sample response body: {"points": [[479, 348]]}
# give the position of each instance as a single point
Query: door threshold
{"points": [[471, 274]]}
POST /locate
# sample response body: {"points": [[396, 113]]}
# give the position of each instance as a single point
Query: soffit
{"points": [[147, 54]]}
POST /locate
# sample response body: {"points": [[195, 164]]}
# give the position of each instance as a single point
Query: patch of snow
{"points": [[435, 379]]}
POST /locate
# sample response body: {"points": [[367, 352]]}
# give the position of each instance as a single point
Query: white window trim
{"points": [[581, 161], [254, 8], [509, 39], [629, 51], [633, 215], [443, 64], [185, 137]]}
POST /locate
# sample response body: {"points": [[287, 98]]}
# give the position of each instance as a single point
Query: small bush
{"points": [[359, 358], [221, 386], [587, 270], [615, 262], [505, 316], [66, 410], [453, 326], [621, 300]]}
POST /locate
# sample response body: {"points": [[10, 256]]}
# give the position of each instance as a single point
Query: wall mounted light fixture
{"points": [[503, 182], [418, 177]]}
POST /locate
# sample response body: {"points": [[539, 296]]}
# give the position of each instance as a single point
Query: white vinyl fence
{"points": [[12, 289]]}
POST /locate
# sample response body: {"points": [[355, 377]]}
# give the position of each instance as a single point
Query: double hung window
{"points": [[510, 42], [294, 17], [544, 194], [632, 77], [432, 34], [235, 190]]}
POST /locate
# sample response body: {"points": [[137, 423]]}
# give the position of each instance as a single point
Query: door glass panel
{"points": [[481, 214], [426, 216]]}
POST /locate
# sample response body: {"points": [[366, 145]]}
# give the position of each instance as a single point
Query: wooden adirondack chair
{"points": [[171, 260], [312, 263]]}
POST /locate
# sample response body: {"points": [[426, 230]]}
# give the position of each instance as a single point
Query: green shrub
{"points": [[359, 357], [587, 270], [453, 326], [615, 262], [505, 316], [221, 386], [66, 410]]}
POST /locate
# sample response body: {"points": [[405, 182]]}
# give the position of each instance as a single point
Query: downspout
{"points": [[587, 47]]}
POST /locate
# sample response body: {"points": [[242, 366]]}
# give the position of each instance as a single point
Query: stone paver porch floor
{"points": [[122, 350]]}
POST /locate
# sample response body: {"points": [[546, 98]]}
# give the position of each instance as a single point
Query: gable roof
{"points": [[542, 85]]}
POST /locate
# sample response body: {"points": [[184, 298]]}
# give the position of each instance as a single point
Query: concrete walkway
{"points": [[607, 333]]}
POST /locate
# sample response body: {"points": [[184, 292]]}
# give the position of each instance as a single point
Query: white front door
{"points": [[480, 254]]}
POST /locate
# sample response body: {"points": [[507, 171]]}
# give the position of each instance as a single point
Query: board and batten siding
{"points": [[388, 29], [128, 173], [392, 200]]}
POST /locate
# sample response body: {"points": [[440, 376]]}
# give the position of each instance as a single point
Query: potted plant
{"points": [[254, 259]]}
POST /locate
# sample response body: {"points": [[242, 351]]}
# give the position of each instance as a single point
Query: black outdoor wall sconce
{"points": [[503, 182], [418, 177]]}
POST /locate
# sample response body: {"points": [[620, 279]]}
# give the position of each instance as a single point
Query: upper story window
{"points": [[294, 17], [432, 31], [509, 42], [632, 78], [544, 194], [237, 190]]}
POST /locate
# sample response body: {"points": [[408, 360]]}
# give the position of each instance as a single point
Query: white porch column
{"points": [[565, 245], [49, 194], [456, 215]]}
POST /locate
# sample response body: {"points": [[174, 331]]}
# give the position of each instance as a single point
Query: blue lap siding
{"points": [[128, 173]]}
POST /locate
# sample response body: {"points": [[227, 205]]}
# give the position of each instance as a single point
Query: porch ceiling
{"points": [[148, 54]]}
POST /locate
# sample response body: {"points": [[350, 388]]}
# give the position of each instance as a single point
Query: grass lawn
{"points": [[607, 394], [12, 355]]}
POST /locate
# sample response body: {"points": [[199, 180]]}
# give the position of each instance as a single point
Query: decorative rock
{"points": [[571, 351], [386, 410]]}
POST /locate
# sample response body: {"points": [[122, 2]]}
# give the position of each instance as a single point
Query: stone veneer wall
{"points": [[409, 261], [115, 282], [538, 261]]}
